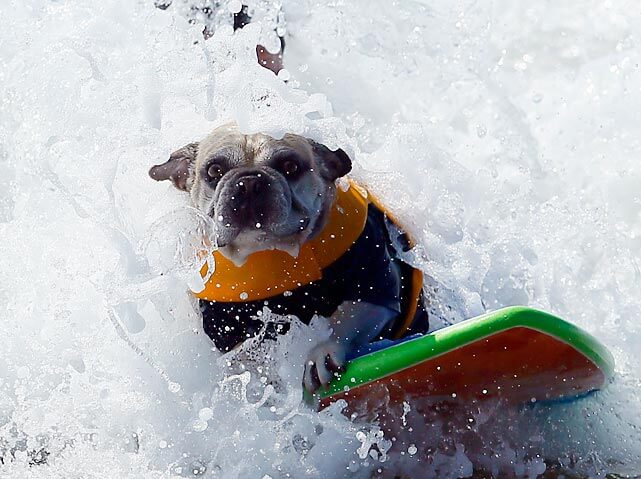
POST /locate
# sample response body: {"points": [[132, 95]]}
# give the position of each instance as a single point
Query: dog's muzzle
{"points": [[253, 199]]}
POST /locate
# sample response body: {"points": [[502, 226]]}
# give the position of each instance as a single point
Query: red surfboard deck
{"points": [[517, 354]]}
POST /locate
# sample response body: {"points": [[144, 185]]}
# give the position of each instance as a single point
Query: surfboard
{"points": [[517, 354]]}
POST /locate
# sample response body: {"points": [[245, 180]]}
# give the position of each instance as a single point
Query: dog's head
{"points": [[262, 193]]}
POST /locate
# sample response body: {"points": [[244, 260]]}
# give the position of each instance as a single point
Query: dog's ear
{"points": [[332, 164], [178, 168]]}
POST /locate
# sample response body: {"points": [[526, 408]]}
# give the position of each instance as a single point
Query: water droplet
{"points": [[284, 75], [234, 6], [199, 425], [412, 450], [205, 414], [244, 296]]}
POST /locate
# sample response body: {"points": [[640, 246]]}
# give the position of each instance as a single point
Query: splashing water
{"points": [[504, 136]]}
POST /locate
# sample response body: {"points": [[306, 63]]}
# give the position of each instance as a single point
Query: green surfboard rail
{"points": [[382, 363]]}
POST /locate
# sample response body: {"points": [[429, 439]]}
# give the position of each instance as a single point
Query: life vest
{"points": [[270, 273]]}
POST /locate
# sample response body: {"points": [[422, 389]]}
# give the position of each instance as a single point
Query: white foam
{"points": [[505, 137]]}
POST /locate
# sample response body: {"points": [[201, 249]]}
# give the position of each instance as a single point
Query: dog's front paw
{"points": [[323, 362]]}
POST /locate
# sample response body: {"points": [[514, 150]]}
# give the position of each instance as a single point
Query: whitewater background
{"points": [[505, 134]]}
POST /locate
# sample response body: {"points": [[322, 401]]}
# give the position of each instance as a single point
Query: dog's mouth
{"points": [[228, 233], [238, 243], [247, 242]]}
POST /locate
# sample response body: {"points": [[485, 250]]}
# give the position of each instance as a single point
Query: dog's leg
{"points": [[353, 324], [271, 61]]}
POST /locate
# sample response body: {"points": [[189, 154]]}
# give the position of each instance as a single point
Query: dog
{"points": [[290, 239]]}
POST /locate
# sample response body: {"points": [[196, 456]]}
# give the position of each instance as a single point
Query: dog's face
{"points": [[262, 193]]}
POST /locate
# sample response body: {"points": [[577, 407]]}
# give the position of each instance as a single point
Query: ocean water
{"points": [[506, 136]]}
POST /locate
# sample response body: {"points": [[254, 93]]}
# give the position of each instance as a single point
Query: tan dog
{"points": [[267, 196]]}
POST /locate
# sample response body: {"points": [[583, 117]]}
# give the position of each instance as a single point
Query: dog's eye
{"points": [[215, 172], [290, 167], [289, 164]]}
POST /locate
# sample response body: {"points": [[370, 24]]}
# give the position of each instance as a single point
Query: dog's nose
{"points": [[250, 186], [251, 205]]}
